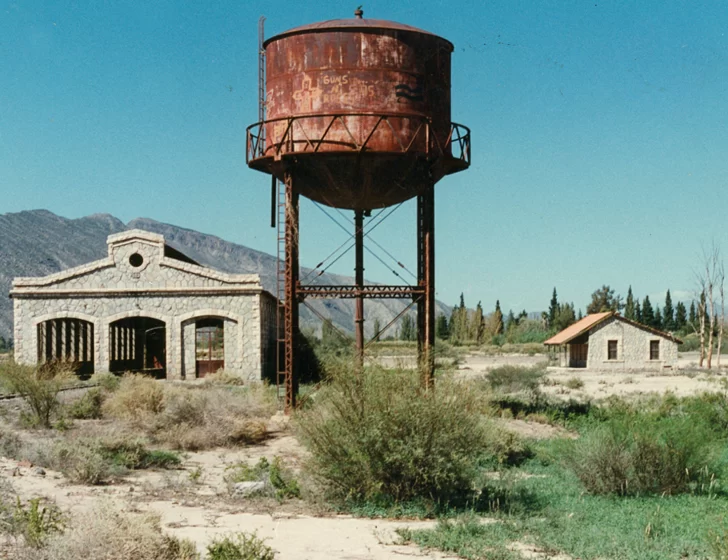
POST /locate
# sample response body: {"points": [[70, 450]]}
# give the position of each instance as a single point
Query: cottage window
{"points": [[611, 349], [654, 349]]}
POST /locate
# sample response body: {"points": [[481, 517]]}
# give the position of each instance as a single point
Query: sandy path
{"points": [[293, 536]]}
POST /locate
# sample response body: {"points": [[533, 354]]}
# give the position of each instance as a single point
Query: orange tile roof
{"points": [[578, 328]]}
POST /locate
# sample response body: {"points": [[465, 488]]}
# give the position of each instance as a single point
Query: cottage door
{"points": [[579, 353]]}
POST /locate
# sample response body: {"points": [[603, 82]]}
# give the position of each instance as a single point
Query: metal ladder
{"points": [[280, 294]]}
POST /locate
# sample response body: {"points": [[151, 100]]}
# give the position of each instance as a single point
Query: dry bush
{"points": [[108, 533], [196, 417], [223, 377], [39, 387], [137, 399]]}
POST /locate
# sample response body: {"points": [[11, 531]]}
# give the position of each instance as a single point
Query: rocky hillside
{"points": [[37, 242]]}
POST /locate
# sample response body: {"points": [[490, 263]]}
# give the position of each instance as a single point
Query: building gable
{"points": [[138, 261]]}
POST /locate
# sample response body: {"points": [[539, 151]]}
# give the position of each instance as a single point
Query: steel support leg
{"points": [[359, 281], [426, 279], [291, 330]]}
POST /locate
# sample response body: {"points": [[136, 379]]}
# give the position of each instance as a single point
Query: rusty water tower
{"points": [[355, 114]]}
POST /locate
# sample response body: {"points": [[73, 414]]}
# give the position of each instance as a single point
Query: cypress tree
{"points": [[553, 309], [637, 311], [658, 323], [580, 316], [693, 317], [648, 315], [668, 315], [681, 319], [629, 311]]}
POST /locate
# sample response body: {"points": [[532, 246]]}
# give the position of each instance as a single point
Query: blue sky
{"points": [[600, 133]]}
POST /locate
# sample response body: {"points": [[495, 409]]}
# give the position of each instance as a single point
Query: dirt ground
{"points": [[687, 379], [200, 509]]}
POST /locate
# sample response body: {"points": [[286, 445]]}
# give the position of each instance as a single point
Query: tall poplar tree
{"points": [[476, 326], [668, 314], [497, 319], [378, 327], [629, 311]]}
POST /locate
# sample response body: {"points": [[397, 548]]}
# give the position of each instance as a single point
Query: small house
{"points": [[608, 341]]}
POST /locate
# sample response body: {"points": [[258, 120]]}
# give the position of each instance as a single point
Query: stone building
{"points": [[146, 307], [608, 341]]}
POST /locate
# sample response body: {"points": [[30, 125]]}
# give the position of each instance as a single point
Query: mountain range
{"points": [[38, 242]]}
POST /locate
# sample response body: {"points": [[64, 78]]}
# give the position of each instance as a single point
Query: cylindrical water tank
{"points": [[358, 109]]}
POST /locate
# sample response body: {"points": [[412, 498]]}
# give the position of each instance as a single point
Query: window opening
{"points": [[654, 349], [611, 349]]}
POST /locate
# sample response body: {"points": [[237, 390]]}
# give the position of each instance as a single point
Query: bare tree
{"points": [[710, 275], [721, 319], [701, 321]]}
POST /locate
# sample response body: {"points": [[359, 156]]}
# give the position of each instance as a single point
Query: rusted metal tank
{"points": [[360, 109]]}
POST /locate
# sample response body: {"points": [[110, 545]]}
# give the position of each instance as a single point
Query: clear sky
{"points": [[600, 133]]}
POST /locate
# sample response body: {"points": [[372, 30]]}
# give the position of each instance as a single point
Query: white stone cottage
{"points": [[608, 341], [146, 307]]}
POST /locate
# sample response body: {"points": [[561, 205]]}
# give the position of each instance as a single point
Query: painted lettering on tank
{"points": [[334, 79]]}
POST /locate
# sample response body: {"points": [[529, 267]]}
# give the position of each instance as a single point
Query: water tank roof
{"points": [[357, 23]]}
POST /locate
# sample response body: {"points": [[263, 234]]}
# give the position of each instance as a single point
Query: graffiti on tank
{"points": [[406, 92], [306, 95]]}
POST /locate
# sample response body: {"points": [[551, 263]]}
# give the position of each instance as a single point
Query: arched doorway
{"points": [[138, 344], [67, 340], [209, 346]]}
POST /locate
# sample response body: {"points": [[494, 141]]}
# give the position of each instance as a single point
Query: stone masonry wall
{"points": [[242, 326], [159, 287], [633, 348]]}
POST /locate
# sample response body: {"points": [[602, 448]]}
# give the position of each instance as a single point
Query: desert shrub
{"points": [[34, 522], [39, 387], [380, 435], [223, 377], [644, 454], [574, 383], [195, 418], [107, 381], [137, 399], [10, 444], [79, 462], [239, 546], [88, 406], [133, 454], [514, 379], [108, 533], [278, 478], [97, 461]]}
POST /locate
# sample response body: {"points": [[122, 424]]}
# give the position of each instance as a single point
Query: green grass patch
{"points": [[550, 510]]}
